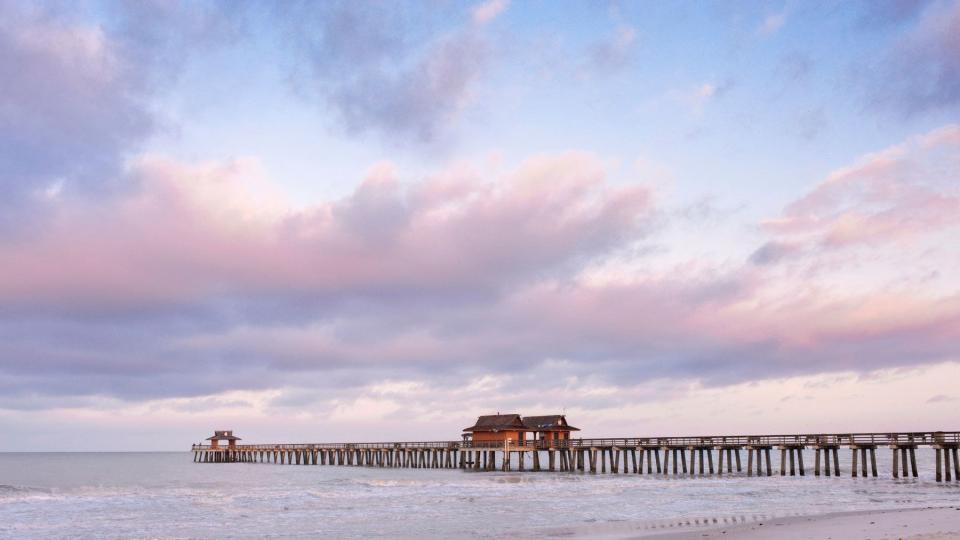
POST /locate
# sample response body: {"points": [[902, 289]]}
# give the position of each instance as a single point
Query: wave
{"points": [[10, 492], [6, 488]]}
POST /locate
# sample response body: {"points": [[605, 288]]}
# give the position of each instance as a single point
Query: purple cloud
{"points": [[377, 75], [74, 103], [922, 71], [190, 286]]}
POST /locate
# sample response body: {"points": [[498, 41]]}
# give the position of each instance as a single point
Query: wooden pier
{"points": [[630, 455]]}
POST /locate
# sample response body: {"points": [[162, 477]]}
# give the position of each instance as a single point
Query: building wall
{"points": [[514, 436]]}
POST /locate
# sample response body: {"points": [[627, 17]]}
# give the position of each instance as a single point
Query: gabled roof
{"points": [[550, 422], [497, 422], [223, 436]]}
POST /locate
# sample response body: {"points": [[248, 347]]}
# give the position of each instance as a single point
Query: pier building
{"points": [[552, 427], [226, 435], [502, 428]]}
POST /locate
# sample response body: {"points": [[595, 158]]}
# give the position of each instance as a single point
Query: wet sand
{"points": [[906, 524]]}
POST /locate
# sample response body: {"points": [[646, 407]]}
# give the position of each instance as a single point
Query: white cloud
{"points": [[772, 24], [489, 10], [696, 98]]}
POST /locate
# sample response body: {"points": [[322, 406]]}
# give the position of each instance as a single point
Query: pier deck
{"points": [[638, 455]]}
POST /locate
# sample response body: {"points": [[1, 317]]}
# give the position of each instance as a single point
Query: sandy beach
{"points": [[907, 524]]}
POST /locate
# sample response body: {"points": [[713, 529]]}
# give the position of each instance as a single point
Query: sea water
{"points": [[166, 495]]}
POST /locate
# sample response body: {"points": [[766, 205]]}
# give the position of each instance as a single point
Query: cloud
{"points": [[773, 251], [794, 67], [922, 70], [886, 12], [199, 284], [74, 103], [811, 123], [487, 11], [614, 52], [192, 280], [378, 76], [195, 264], [899, 194], [208, 235], [696, 98], [772, 24], [69, 109]]}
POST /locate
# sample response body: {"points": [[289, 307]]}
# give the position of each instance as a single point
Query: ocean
{"points": [[166, 495]]}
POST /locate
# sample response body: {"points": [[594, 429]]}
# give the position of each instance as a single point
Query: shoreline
{"points": [[926, 523]]}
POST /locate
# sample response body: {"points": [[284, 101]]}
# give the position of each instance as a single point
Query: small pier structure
{"points": [[669, 456]]}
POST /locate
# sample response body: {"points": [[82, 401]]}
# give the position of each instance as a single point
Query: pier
{"points": [[673, 456]]}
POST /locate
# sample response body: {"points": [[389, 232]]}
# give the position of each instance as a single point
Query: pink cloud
{"points": [[487, 11], [901, 193], [446, 279], [191, 232]]}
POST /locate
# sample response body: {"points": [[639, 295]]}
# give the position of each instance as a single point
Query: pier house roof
{"points": [[550, 422], [498, 422], [223, 436]]}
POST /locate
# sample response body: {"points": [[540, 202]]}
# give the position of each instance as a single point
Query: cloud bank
{"points": [[194, 285]]}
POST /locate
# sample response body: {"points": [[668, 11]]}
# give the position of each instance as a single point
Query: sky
{"points": [[361, 221]]}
